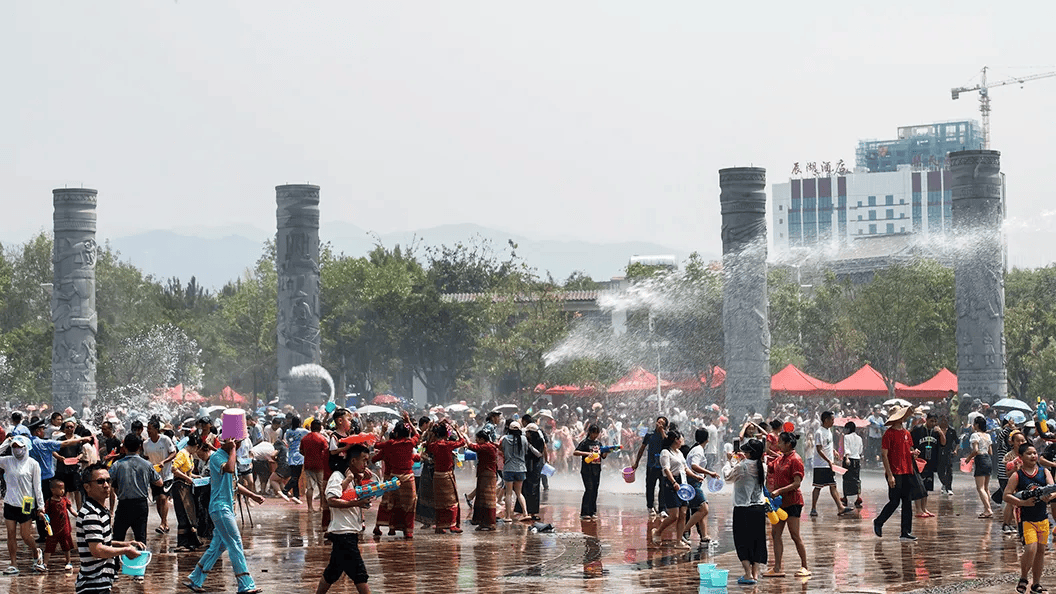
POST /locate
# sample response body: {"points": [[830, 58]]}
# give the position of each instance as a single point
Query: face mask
{"points": [[19, 453]]}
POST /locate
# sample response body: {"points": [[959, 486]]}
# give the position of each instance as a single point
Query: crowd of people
{"points": [[87, 481]]}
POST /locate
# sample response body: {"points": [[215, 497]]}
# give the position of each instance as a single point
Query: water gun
{"points": [[371, 489], [47, 525], [610, 449], [1034, 492], [1043, 415], [592, 457], [773, 507]]}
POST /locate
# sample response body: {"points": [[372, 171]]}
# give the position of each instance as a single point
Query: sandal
{"points": [[1021, 586], [986, 516], [772, 573], [193, 588], [803, 572], [1038, 589], [745, 581], [253, 591]]}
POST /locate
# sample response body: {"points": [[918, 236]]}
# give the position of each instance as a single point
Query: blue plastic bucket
{"points": [[719, 577], [704, 570], [548, 470], [135, 566]]}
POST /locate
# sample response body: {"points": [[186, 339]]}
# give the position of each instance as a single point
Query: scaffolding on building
{"points": [[922, 147]]}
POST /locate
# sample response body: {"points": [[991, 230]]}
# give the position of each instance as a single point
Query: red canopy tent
{"points": [[937, 387], [791, 380], [864, 382], [570, 390], [174, 393], [637, 380], [192, 396], [229, 395]]}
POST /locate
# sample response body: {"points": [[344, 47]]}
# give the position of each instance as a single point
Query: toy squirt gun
{"points": [[1034, 492], [774, 513], [371, 489]]}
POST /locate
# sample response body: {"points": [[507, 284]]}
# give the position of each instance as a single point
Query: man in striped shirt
{"points": [[95, 545]]}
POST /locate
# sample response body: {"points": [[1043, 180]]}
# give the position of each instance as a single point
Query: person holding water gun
{"points": [[784, 475], [590, 471], [1033, 514], [346, 521]]}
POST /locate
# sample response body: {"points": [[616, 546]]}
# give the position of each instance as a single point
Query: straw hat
{"points": [[900, 414]]}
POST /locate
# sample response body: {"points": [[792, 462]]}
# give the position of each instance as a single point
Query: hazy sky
{"points": [[604, 120]]}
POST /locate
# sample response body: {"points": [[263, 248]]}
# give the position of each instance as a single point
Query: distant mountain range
{"points": [[216, 255]]}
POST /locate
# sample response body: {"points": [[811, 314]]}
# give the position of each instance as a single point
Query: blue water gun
{"points": [[610, 449], [1043, 415]]}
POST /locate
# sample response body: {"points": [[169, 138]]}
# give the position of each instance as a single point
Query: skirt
{"points": [[425, 512], [397, 507], [445, 499], [485, 503], [749, 533]]}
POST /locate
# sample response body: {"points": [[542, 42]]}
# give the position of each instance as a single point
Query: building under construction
{"points": [[924, 146]]}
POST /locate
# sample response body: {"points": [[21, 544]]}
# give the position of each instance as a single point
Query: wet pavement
{"points": [[956, 552]]}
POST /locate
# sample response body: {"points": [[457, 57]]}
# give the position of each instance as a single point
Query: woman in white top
{"points": [[981, 452], [748, 475], [675, 471]]}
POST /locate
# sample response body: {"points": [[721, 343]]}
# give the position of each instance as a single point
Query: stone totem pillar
{"points": [[745, 302], [73, 356], [297, 262], [979, 272]]}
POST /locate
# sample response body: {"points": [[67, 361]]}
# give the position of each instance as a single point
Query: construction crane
{"points": [[984, 96]]}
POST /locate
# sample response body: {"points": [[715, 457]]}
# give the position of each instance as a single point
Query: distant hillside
{"points": [[217, 255]]}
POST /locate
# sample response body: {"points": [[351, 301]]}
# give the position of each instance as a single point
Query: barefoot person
{"points": [[785, 475], [225, 532], [1033, 514]]}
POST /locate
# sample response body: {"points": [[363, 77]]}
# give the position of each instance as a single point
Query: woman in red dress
{"points": [[444, 441], [397, 507], [487, 467]]}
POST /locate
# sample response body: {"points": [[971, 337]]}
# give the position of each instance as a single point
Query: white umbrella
{"points": [[212, 410], [372, 409], [507, 407], [457, 408], [897, 402], [1013, 404]]}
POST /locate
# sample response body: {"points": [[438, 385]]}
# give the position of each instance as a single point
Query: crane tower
{"points": [[984, 96]]}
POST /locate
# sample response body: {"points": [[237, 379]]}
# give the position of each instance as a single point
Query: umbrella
{"points": [[507, 407], [212, 410], [858, 422], [1013, 404], [370, 409], [386, 399], [457, 408], [897, 402], [1016, 416]]}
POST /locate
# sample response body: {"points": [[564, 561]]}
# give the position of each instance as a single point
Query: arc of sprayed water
{"points": [[309, 370]]}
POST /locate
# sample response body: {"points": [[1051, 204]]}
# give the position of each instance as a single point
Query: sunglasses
{"points": [[101, 482]]}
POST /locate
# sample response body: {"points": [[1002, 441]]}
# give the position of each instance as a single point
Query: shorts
{"points": [[823, 477], [164, 489], [511, 477], [1036, 532], [699, 498], [345, 558], [928, 476], [14, 513], [794, 511], [65, 539], [261, 469], [983, 465]]}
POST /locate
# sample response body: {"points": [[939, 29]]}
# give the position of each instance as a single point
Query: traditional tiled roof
{"points": [[522, 298]]}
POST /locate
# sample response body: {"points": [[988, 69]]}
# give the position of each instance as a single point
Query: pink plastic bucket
{"points": [[966, 465], [628, 474], [234, 424], [838, 469]]}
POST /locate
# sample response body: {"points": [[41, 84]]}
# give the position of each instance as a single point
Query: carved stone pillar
{"points": [[979, 271], [73, 355], [745, 318], [297, 262]]}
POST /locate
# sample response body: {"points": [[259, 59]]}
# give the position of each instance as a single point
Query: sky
{"points": [[600, 120]]}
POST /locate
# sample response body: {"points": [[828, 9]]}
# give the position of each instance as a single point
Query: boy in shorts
{"points": [[346, 523]]}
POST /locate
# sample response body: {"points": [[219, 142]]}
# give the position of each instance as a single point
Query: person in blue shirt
{"points": [[17, 428], [226, 537], [43, 451], [294, 457]]}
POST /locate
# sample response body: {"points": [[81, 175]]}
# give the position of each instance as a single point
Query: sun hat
{"points": [[900, 414]]}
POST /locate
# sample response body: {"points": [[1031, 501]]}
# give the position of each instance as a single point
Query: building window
{"points": [[780, 221], [782, 234], [780, 207], [901, 200], [859, 204], [903, 230], [872, 201], [889, 200], [872, 229], [872, 215], [859, 232], [890, 227], [859, 217], [890, 213], [902, 215]]}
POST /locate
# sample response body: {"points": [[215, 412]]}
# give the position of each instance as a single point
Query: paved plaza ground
{"points": [[956, 552]]}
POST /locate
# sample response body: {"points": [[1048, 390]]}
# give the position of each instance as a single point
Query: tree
{"points": [[1030, 331], [580, 281], [904, 318], [249, 308]]}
